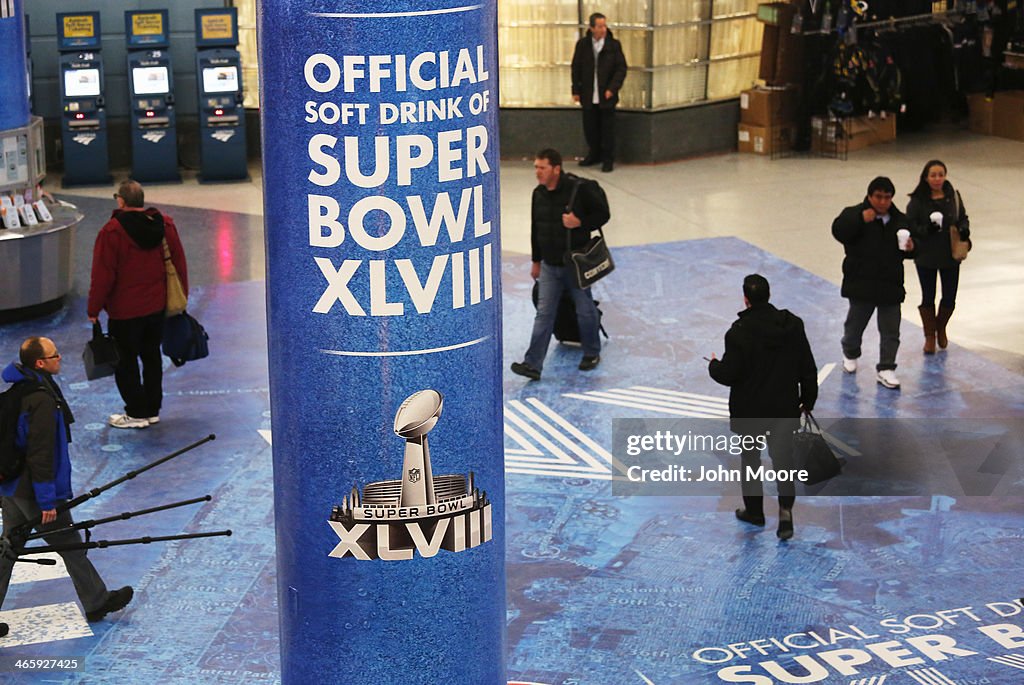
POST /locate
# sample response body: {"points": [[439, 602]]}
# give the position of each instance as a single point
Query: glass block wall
{"points": [[680, 52]]}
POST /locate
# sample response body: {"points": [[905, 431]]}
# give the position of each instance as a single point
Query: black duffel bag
{"points": [[185, 339], [100, 355], [812, 453]]}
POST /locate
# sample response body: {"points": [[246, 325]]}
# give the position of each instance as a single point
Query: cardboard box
{"points": [[769, 106], [980, 109], [1008, 114], [764, 140], [863, 132], [855, 133]]}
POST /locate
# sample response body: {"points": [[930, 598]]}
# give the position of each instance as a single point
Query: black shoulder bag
{"points": [[593, 261]]}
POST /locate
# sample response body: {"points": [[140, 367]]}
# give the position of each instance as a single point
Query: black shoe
{"points": [[742, 515], [589, 161], [785, 530], [4, 629], [116, 600], [608, 166], [588, 363], [524, 369]]}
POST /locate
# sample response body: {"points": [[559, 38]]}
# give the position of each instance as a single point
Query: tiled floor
{"points": [[602, 589]]}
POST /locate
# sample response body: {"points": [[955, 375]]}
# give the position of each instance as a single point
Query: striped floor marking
{"points": [[546, 444], [930, 676], [1011, 660], [873, 680], [659, 400], [47, 623]]}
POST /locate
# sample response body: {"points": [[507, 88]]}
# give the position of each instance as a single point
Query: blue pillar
{"points": [[380, 158], [14, 74]]}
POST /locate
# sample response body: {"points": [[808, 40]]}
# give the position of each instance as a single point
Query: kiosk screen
{"points": [[81, 83], [220, 79], [150, 81]]}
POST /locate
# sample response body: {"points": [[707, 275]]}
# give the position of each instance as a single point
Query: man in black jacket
{"points": [[873, 275], [565, 210], [772, 377], [598, 71]]}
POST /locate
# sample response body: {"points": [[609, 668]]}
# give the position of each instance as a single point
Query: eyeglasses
{"points": [[55, 355], [116, 196]]}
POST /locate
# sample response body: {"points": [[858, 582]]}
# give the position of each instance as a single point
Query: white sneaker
{"points": [[888, 379], [125, 421], [153, 419], [849, 365]]}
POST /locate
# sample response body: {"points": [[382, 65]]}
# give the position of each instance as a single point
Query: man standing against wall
{"points": [[129, 280], [598, 71]]}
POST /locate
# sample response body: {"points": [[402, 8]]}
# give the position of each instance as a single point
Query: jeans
{"points": [[888, 331], [139, 339], [92, 592], [553, 281], [950, 278]]}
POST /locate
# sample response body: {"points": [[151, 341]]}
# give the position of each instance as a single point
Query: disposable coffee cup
{"points": [[903, 236]]}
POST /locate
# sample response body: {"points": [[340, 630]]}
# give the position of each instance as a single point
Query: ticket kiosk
{"points": [[84, 116], [151, 88], [222, 149]]}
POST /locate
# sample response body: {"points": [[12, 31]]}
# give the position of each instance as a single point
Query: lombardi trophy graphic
{"points": [[393, 520]]}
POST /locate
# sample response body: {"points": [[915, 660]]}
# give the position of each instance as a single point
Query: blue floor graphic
{"points": [[602, 589]]}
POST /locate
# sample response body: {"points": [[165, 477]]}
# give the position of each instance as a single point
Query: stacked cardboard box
{"points": [[766, 119]]}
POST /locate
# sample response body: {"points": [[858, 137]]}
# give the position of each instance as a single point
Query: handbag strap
{"points": [[810, 421], [568, 209], [97, 330], [167, 251]]}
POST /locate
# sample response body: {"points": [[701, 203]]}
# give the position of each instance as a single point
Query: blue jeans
{"points": [[553, 281]]}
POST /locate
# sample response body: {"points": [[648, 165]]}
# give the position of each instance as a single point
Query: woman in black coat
{"points": [[934, 207]]}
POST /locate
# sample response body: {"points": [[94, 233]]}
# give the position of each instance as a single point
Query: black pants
{"points": [[599, 130], [780, 448], [139, 339], [950, 278]]}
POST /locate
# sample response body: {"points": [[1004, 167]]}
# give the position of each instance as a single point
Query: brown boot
{"points": [[940, 326], [928, 322]]}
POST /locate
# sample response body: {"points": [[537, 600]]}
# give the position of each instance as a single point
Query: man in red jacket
{"points": [[129, 281]]}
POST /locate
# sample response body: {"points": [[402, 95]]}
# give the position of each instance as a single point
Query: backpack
{"points": [[12, 458]]}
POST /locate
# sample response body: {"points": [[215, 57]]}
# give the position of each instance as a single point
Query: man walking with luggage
{"points": [[876, 239], [41, 430], [129, 281], [772, 377], [565, 210]]}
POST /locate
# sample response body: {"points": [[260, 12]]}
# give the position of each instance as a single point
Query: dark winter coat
{"points": [[768, 366], [611, 71], [873, 267], [128, 275], [548, 235], [44, 431], [932, 246]]}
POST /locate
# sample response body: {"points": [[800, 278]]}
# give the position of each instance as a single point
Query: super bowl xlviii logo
{"points": [[421, 513], [154, 136], [223, 136], [84, 138]]}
